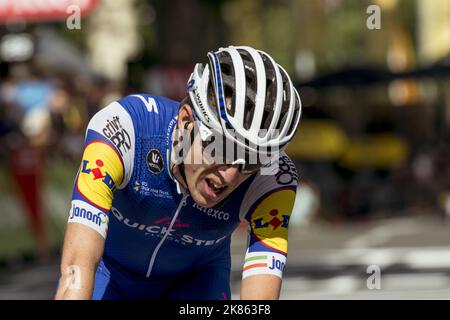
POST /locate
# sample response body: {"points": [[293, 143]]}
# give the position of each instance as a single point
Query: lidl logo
{"points": [[100, 172], [270, 219], [274, 222]]}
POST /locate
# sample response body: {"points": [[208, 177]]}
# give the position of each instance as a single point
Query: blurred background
{"points": [[372, 150]]}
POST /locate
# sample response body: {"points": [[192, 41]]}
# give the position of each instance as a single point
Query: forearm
{"points": [[83, 249], [76, 283], [261, 287]]}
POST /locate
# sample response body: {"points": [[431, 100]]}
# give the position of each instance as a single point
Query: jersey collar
{"points": [[169, 147]]}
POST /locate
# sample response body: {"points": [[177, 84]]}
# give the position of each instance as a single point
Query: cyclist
{"points": [[148, 221]]}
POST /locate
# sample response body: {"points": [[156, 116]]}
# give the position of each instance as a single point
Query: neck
{"points": [[177, 175], [174, 168]]}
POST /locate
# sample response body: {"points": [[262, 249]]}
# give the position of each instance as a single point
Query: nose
{"points": [[229, 173]]}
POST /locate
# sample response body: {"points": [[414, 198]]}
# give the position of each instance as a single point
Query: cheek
{"points": [[194, 154], [192, 174]]}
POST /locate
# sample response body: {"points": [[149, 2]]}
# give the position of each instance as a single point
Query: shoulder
{"points": [[282, 174], [114, 124], [144, 102], [267, 207], [133, 116], [277, 183], [123, 122], [149, 113]]}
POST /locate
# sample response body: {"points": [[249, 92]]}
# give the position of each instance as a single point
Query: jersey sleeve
{"points": [[106, 165], [267, 208]]}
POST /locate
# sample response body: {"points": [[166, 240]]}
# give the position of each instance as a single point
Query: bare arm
{"points": [[83, 249], [101, 171], [261, 287]]}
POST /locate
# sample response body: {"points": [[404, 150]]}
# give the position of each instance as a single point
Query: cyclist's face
{"points": [[209, 183]]}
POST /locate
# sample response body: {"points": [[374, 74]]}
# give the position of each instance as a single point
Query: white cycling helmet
{"points": [[265, 107]]}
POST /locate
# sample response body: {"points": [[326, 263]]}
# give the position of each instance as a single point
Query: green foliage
{"points": [[343, 42]]}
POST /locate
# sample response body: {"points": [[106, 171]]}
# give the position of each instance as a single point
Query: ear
{"points": [[185, 114]]}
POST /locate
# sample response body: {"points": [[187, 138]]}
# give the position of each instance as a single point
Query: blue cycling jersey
{"points": [[158, 241]]}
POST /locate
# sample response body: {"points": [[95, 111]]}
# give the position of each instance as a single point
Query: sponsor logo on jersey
{"points": [[263, 263], [264, 260], [170, 127], [137, 186], [270, 219], [155, 161], [115, 132], [96, 217], [83, 213], [150, 104], [166, 221], [276, 264], [287, 172], [213, 213], [162, 228], [96, 171], [99, 173], [143, 188], [273, 222]]}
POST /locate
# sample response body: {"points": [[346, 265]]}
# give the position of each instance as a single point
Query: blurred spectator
{"points": [[43, 116]]}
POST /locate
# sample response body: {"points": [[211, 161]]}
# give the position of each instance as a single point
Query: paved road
{"points": [[331, 261], [325, 262]]}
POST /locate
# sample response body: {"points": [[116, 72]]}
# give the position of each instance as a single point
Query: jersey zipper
{"points": [[155, 252]]}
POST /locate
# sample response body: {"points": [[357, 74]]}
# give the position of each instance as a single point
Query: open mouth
{"points": [[213, 190]]}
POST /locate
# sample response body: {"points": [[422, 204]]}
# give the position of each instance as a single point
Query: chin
{"points": [[208, 205], [203, 201], [200, 200]]}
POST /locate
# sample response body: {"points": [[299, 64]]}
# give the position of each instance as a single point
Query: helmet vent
{"points": [[229, 93], [285, 102], [226, 69], [294, 118], [249, 112], [266, 119]]}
